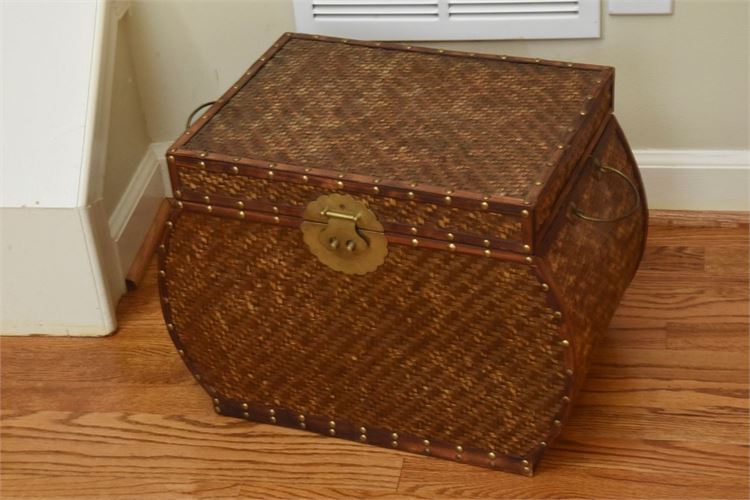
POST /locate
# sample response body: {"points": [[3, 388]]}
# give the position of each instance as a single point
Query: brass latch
{"points": [[344, 234]]}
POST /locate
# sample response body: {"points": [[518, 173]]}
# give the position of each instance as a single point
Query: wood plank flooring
{"points": [[664, 413]]}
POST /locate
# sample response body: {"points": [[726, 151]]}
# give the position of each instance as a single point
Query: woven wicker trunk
{"points": [[401, 246]]}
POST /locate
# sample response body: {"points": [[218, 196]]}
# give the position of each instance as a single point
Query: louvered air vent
{"points": [[449, 19], [374, 10], [505, 9]]}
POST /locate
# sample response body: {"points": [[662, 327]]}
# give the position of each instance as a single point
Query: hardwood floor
{"points": [[664, 413]]}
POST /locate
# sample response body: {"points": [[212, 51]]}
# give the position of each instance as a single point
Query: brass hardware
{"points": [[235, 169], [332, 424], [487, 253], [545, 287], [272, 412], [543, 444], [339, 184], [414, 242], [245, 414], [181, 352], [566, 399], [527, 248], [459, 449], [485, 205], [245, 406], [565, 343], [636, 196], [203, 154], [332, 432], [202, 163], [178, 194], [363, 437], [451, 247], [344, 234], [375, 189], [394, 444], [410, 194], [426, 443], [241, 204], [301, 418], [242, 214], [170, 158], [492, 455], [413, 230], [270, 173], [394, 436], [209, 208], [525, 463], [451, 236], [362, 430], [216, 401], [558, 315], [529, 260], [486, 243], [305, 178], [524, 213], [448, 200]]}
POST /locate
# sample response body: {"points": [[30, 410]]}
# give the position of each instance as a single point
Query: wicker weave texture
{"points": [[593, 263], [420, 215], [440, 345], [481, 125]]}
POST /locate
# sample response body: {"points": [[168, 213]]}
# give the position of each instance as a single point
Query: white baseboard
{"points": [[696, 179], [136, 210], [57, 274]]}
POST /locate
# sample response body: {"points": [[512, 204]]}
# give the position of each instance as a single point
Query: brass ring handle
{"points": [[579, 213], [195, 111]]}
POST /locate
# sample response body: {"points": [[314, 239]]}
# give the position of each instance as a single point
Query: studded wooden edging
{"points": [[387, 438], [428, 193], [522, 245]]}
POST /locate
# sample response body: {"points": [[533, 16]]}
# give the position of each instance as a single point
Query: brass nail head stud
{"points": [[452, 247], [375, 189], [545, 287], [339, 184], [565, 343], [485, 205], [524, 213], [394, 436], [414, 242], [527, 248], [487, 252], [492, 455], [448, 200], [235, 169]]}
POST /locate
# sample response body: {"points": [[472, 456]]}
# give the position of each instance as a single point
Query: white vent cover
{"points": [[449, 19]]}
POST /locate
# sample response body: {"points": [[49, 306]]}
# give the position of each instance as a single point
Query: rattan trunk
{"points": [[406, 247]]}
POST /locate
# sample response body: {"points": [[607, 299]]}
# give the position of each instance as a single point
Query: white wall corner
{"points": [[696, 179], [56, 256]]}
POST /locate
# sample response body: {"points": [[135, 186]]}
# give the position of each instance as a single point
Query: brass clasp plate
{"points": [[344, 234]]}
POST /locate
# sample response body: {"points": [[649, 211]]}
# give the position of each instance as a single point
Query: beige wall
{"points": [[128, 139], [682, 80]]}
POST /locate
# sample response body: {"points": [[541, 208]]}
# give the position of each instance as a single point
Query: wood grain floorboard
{"points": [[663, 413]]}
